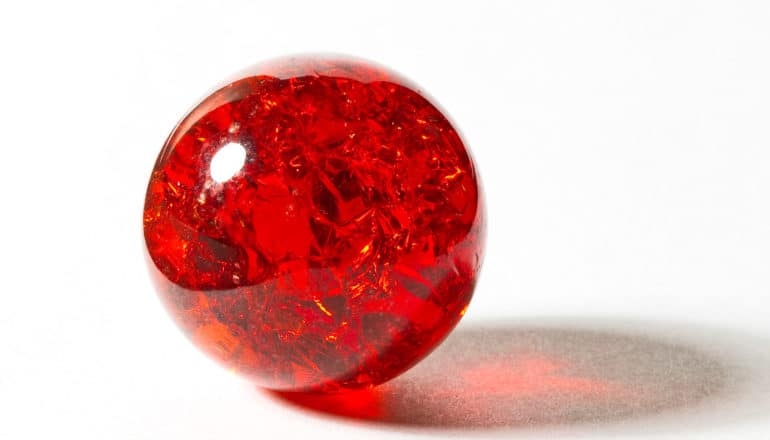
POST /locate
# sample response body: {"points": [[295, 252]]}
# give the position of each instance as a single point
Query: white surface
{"points": [[624, 147]]}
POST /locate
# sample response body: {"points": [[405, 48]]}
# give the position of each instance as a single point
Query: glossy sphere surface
{"points": [[315, 224]]}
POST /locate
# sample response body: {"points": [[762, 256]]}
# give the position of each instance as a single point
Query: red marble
{"points": [[343, 246]]}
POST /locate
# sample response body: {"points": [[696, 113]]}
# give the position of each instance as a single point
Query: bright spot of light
{"points": [[227, 162]]}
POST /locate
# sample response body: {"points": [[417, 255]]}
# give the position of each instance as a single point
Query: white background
{"points": [[624, 149]]}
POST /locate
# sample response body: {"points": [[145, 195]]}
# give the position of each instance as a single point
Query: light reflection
{"points": [[227, 162]]}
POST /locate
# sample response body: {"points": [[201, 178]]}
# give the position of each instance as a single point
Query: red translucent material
{"points": [[342, 244]]}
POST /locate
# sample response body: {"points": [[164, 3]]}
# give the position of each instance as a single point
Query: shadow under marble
{"points": [[565, 372]]}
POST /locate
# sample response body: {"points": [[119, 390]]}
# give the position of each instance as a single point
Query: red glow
{"points": [[518, 385], [533, 375], [520, 377]]}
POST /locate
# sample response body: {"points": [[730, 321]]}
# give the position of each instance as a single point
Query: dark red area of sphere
{"points": [[344, 248]]}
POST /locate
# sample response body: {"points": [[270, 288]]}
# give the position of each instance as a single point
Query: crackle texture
{"points": [[344, 248]]}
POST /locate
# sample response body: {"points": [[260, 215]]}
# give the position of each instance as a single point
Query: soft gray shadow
{"points": [[567, 372]]}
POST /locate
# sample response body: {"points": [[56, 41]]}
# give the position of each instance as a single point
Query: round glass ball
{"points": [[316, 224]]}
